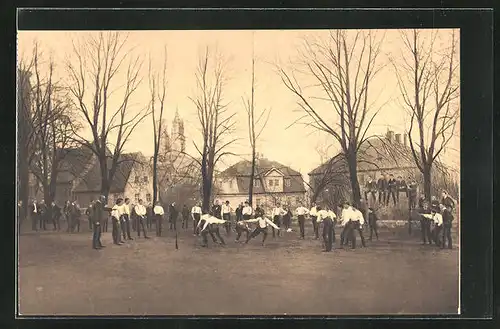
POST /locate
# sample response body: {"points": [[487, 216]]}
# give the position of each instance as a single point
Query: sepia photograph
{"points": [[238, 172]]}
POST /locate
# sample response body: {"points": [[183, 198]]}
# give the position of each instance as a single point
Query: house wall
{"points": [[228, 185], [139, 184], [274, 181]]}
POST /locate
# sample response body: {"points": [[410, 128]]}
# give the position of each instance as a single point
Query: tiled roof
{"points": [[74, 162], [377, 153], [242, 171], [91, 182]]}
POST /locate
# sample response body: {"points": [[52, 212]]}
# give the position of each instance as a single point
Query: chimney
{"points": [[398, 138], [390, 135]]}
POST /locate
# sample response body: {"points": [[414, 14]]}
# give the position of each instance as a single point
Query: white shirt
{"points": [[34, 207], [126, 209], [332, 214], [140, 210], [210, 220], [115, 211], [352, 214], [247, 210], [313, 211], [437, 218], [196, 210], [302, 211], [278, 211], [322, 214], [263, 222], [226, 209], [158, 210]]}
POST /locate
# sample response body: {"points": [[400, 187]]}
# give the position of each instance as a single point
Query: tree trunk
{"points": [[252, 177], [155, 178], [427, 181], [353, 177]]}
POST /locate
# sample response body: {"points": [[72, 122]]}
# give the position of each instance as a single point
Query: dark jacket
{"points": [[371, 186], [382, 184], [412, 190], [56, 211], [98, 212], [448, 202], [402, 186], [392, 185], [185, 212], [173, 213], [216, 211], [239, 212]]}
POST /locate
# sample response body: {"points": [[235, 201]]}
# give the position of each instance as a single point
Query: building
{"points": [[379, 155], [273, 183], [131, 180]]}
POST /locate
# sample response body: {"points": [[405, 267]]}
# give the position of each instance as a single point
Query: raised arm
{"points": [[272, 224]]}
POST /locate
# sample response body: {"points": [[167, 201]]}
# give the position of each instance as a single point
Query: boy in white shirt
{"points": [[210, 225], [301, 216], [277, 213], [126, 220], [262, 224], [196, 215], [115, 220], [140, 211], [247, 211], [314, 217], [158, 213], [327, 218], [226, 215]]}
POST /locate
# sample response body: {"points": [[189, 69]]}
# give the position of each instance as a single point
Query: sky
{"points": [[296, 146]]}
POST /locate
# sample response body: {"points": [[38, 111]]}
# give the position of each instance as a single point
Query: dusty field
{"points": [[60, 274]]}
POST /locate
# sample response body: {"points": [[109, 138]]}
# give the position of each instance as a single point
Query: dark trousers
{"points": [[425, 229], [159, 223], [436, 235], [246, 217], [41, 219], [381, 197], [256, 232], [389, 194], [277, 221], [240, 229], [74, 223], [90, 223], [346, 234], [412, 201], [34, 221], [227, 225], [173, 224], [116, 230], [373, 193], [328, 234], [141, 225], [373, 228], [195, 223], [105, 222], [149, 221], [301, 219], [96, 236], [211, 229], [134, 220], [356, 226], [125, 223], [447, 236], [314, 221], [56, 222], [286, 222], [185, 220]]}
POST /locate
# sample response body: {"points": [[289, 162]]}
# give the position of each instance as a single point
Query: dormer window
{"points": [[288, 182]]}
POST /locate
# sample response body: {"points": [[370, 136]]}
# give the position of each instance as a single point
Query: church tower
{"points": [[177, 136]]}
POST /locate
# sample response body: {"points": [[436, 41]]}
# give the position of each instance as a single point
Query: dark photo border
{"points": [[476, 202]]}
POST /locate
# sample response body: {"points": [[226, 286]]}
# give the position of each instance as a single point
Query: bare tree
{"points": [[255, 127], [216, 123], [428, 82], [47, 127], [158, 90], [101, 67], [342, 67]]}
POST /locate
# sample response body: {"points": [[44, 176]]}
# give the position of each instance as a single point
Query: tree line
{"points": [[93, 106]]}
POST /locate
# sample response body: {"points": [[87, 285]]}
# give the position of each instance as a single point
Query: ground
{"points": [[60, 274]]}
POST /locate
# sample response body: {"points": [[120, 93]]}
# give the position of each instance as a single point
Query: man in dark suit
{"points": [[185, 217], [216, 210], [412, 194], [173, 214], [239, 212], [56, 216], [392, 188], [381, 187], [88, 213], [371, 188], [97, 215], [401, 187]]}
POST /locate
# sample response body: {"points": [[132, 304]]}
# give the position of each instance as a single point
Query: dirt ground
{"points": [[60, 274]]}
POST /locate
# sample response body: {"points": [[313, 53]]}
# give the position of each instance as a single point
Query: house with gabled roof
{"points": [[132, 180], [273, 183]]}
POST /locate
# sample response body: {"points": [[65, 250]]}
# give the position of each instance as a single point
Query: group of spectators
{"points": [[387, 187], [42, 215]]}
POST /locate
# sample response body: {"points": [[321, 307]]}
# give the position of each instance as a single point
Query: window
{"points": [[137, 179], [148, 197], [259, 202], [256, 183], [145, 179], [270, 182], [288, 182], [276, 182], [137, 198]]}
